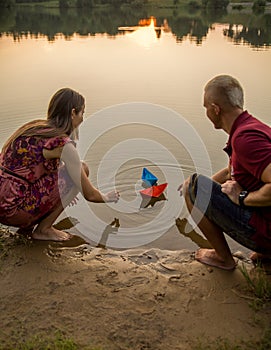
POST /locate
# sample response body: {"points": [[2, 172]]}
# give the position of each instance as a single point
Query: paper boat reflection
{"points": [[154, 191], [151, 201], [148, 177]]}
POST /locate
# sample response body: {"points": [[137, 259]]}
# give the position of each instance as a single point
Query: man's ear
{"points": [[216, 108]]}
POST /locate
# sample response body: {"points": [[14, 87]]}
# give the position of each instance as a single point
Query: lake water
{"points": [[143, 88]]}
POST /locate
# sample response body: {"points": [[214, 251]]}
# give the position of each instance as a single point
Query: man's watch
{"points": [[242, 196]]}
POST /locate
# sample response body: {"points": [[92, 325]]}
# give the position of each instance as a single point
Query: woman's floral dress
{"points": [[24, 202]]}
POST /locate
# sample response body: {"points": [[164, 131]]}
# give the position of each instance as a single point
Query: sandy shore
{"points": [[133, 299]]}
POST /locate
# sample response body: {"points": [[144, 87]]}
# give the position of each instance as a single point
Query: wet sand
{"points": [[133, 299]]}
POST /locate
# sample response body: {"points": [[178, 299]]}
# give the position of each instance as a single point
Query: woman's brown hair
{"points": [[58, 123]]}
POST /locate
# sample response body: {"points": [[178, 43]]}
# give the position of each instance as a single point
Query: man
{"points": [[237, 200]]}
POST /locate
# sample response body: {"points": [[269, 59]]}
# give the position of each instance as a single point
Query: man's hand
{"points": [[180, 189], [232, 189]]}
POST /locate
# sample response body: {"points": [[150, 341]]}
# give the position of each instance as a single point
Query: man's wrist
{"points": [[242, 197]]}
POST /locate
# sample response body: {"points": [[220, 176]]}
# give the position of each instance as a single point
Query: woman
{"points": [[41, 173]]}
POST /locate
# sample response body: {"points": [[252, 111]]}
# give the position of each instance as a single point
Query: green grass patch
{"points": [[39, 342], [258, 285]]}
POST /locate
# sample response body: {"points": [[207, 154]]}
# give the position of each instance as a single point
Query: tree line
{"points": [[91, 3], [20, 22], [203, 4]]}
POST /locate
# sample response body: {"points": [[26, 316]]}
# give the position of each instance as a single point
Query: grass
{"points": [[258, 285], [39, 342]]}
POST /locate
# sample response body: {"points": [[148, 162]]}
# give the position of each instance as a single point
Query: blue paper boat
{"points": [[148, 177]]}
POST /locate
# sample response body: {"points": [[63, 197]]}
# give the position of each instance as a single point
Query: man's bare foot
{"points": [[50, 234], [210, 257]]}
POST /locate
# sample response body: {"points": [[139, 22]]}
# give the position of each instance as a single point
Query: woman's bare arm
{"points": [[69, 155]]}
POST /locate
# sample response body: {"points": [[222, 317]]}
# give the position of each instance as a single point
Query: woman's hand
{"points": [[232, 189], [112, 196]]}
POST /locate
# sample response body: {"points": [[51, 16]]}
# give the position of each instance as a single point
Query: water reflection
{"points": [[146, 33], [150, 202], [259, 36], [185, 229], [110, 229], [21, 22]]}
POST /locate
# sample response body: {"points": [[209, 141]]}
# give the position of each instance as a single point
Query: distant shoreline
{"points": [[150, 3]]}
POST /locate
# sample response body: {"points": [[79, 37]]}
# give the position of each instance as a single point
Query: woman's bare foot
{"points": [[50, 234], [210, 257]]}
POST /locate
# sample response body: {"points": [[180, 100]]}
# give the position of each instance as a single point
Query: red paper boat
{"points": [[154, 191]]}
